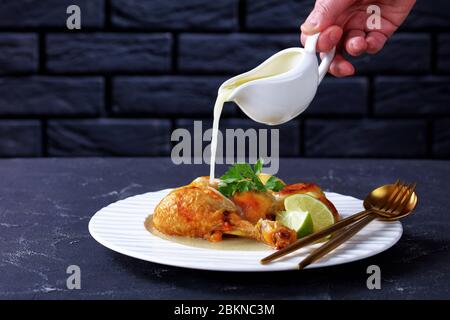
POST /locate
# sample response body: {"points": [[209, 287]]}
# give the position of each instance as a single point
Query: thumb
{"points": [[324, 14]]}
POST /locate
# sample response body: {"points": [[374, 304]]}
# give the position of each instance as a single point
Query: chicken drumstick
{"points": [[198, 210]]}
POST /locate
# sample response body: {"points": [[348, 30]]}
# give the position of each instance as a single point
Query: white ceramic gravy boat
{"points": [[281, 87]]}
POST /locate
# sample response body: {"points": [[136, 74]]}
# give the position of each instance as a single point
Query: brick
{"points": [[195, 96], [289, 133], [403, 54], [289, 142], [441, 138], [175, 14], [277, 15], [19, 53], [229, 53], [365, 138], [50, 96], [428, 14], [109, 137], [340, 96], [443, 53], [20, 138], [167, 95], [290, 14], [412, 95], [108, 52], [49, 13]]}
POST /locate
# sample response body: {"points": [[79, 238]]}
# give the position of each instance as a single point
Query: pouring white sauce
{"points": [[218, 107], [276, 91], [280, 65]]}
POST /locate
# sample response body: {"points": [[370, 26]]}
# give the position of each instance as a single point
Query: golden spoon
{"points": [[376, 202], [400, 206]]}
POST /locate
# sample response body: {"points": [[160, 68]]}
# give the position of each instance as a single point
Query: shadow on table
{"points": [[404, 263]]}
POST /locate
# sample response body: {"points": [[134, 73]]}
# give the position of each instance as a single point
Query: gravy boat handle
{"points": [[310, 47]]}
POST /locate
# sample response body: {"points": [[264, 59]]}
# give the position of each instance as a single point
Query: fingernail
{"points": [[313, 22], [356, 45]]}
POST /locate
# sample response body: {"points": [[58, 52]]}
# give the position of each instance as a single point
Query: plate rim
{"points": [[169, 262]]}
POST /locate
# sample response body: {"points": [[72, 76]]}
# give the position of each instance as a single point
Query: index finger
{"points": [[328, 39]]}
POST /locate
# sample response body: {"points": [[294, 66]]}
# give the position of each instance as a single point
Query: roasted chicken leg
{"points": [[198, 210], [253, 205]]}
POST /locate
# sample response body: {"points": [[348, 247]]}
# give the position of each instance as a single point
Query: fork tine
{"points": [[397, 199], [398, 188], [404, 200], [399, 202]]}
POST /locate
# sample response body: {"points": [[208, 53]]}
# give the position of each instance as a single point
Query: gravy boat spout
{"points": [[281, 87]]}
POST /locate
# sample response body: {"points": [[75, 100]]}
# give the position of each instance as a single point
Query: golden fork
{"points": [[389, 202]]}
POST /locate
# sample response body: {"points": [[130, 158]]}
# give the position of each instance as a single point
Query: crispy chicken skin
{"points": [[200, 211], [253, 205], [193, 211], [274, 232], [256, 205], [204, 181]]}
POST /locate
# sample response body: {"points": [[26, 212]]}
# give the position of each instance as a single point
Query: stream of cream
{"points": [[280, 65], [218, 107]]}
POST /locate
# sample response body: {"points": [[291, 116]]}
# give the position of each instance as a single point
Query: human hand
{"points": [[343, 23]]}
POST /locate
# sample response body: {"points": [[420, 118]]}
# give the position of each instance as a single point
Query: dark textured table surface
{"points": [[46, 204]]}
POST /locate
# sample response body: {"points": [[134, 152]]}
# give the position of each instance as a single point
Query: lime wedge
{"points": [[299, 221], [321, 216]]}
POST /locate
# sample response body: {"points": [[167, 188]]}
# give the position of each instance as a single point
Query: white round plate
{"points": [[120, 227]]}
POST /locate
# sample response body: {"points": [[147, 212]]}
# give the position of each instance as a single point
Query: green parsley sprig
{"points": [[243, 177]]}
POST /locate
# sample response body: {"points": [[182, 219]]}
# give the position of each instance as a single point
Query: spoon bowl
{"points": [[380, 201]]}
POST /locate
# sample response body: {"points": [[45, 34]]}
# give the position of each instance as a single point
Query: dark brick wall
{"points": [[139, 69]]}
